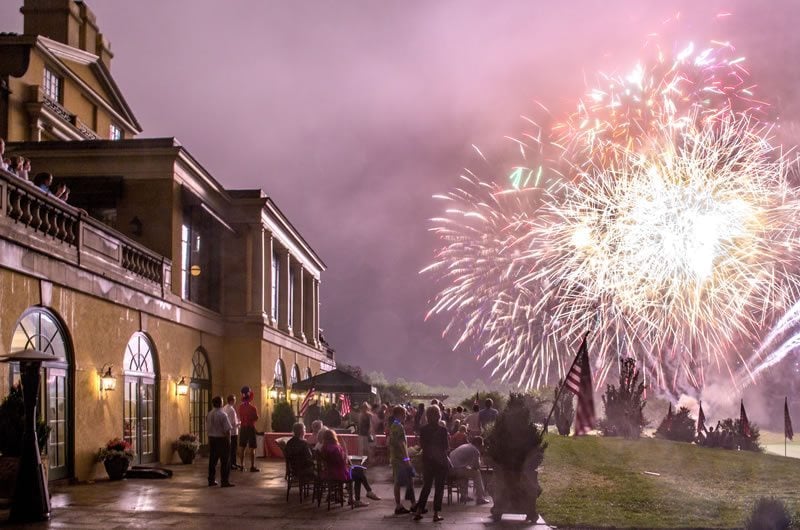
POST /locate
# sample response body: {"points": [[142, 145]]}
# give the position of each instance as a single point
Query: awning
{"points": [[335, 381]]}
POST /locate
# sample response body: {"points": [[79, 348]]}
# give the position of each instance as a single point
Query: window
{"points": [[199, 395], [185, 256], [309, 375], [276, 269], [291, 298], [51, 86], [114, 132], [279, 382], [295, 377]]}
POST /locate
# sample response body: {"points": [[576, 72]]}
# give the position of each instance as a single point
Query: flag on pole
{"points": [[701, 420], [787, 420], [744, 425], [579, 382], [345, 404], [668, 421], [306, 402]]}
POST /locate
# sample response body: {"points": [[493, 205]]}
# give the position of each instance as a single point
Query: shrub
{"points": [[564, 410], [282, 417], [680, 427], [624, 406], [769, 514], [514, 436], [116, 447], [12, 424], [728, 435]]}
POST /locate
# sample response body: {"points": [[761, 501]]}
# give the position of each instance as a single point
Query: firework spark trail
{"points": [[658, 215]]}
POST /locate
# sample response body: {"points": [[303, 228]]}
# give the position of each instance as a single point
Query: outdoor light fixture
{"points": [[195, 270], [107, 380], [293, 396], [273, 393], [181, 388]]}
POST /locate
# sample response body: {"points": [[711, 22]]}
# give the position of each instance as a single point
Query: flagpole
{"points": [[561, 388]]}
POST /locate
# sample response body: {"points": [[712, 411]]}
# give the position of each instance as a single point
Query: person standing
{"points": [[402, 472], [219, 442], [364, 429], [433, 440], [230, 411], [473, 422], [488, 414], [248, 415]]}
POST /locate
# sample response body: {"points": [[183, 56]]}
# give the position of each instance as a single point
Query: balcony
{"points": [[36, 220]]}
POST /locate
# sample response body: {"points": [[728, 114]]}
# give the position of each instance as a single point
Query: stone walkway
{"points": [[257, 501]]}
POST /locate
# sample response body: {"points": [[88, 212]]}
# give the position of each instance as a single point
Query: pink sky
{"points": [[352, 114]]}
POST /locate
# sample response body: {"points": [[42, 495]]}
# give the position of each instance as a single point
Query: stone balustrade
{"points": [[37, 220]]}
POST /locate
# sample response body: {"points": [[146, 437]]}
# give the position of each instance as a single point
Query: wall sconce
{"points": [[293, 396], [135, 226], [273, 393], [195, 270], [107, 380], [181, 387]]}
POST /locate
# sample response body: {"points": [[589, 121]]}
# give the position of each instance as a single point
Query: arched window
{"points": [[40, 329], [280, 379], [309, 375], [295, 378], [199, 394], [141, 397]]}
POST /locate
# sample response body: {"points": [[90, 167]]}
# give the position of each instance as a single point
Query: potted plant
{"points": [[187, 446], [516, 448], [116, 456], [12, 424]]}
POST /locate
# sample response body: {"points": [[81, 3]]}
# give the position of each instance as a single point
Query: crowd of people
{"points": [[449, 444], [21, 167]]}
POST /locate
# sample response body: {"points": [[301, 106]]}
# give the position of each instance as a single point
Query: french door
{"points": [[139, 428]]}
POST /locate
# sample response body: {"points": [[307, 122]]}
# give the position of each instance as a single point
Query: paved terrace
{"points": [[257, 501]]}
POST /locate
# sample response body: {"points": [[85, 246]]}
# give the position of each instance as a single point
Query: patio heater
{"points": [[31, 500]]}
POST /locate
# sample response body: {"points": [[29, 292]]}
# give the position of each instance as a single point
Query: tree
{"points": [[679, 427], [624, 406], [728, 435], [282, 417]]}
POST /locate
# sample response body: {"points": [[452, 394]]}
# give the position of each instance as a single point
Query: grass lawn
{"points": [[601, 482]]}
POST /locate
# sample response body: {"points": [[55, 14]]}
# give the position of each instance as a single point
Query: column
{"points": [[299, 273], [309, 316], [268, 300], [283, 290], [316, 312], [255, 270]]}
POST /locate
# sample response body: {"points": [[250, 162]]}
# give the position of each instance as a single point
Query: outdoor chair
{"points": [[333, 490], [459, 484], [303, 482]]}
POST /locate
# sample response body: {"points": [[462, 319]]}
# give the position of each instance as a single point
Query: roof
{"points": [[335, 381]]}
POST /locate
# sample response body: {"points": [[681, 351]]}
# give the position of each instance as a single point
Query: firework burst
{"points": [[665, 226]]}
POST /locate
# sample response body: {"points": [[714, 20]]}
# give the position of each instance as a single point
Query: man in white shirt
{"points": [[473, 423], [219, 443], [466, 460], [230, 410]]}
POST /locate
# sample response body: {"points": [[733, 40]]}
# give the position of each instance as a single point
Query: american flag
{"points": [[787, 420], [579, 382], [744, 424], [345, 404], [306, 402], [701, 420]]}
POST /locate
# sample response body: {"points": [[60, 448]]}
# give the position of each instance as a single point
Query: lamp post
{"points": [[31, 498]]}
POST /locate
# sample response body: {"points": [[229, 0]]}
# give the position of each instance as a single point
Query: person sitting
{"points": [[459, 438], [298, 453], [466, 460], [43, 181], [337, 467], [317, 430]]}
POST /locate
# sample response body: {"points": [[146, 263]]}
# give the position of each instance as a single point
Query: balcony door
{"points": [[140, 412], [199, 395]]}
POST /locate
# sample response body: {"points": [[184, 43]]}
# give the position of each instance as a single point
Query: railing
{"points": [[56, 228]]}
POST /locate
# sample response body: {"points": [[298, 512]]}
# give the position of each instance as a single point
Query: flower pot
{"points": [[116, 467], [187, 454], [516, 491]]}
